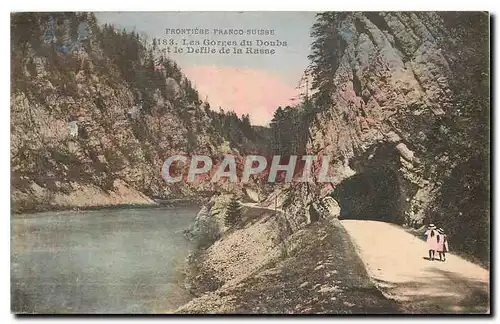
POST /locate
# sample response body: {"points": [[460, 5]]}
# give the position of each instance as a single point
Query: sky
{"points": [[245, 83]]}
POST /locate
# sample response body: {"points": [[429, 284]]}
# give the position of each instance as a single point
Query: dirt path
{"points": [[394, 259], [257, 206]]}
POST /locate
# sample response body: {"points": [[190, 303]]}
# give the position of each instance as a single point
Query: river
{"points": [[105, 261]]}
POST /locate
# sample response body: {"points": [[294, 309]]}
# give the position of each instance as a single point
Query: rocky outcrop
{"points": [[397, 101], [391, 71], [86, 119], [315, 270]]}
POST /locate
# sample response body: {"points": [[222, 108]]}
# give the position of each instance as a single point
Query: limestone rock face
{"points": [[397, 100], [332, 206], [87, 118], [173, 87], [393, 69]]}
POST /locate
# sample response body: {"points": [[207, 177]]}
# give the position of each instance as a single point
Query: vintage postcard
{"points": [[250, 162]]}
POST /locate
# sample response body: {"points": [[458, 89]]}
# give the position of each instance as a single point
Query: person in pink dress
{"points": [[442, 244], [431, 237]]}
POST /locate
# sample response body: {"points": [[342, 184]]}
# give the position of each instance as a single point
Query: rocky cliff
{"points": [[96, 111], [400, 103], [402, 99]]}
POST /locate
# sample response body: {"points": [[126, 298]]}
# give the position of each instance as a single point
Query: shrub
{"points": [[233, 213]]}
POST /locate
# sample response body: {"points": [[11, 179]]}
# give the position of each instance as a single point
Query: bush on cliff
{"points": [[233, 213]]}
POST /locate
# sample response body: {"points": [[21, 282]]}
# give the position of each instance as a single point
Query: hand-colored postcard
{"points": [[250, 162]]}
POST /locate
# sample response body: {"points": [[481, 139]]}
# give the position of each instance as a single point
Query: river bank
{"points": [[91, 197], [260, 267], [155, 203]]}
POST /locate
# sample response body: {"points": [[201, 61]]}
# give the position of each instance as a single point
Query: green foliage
{"points": [[290, 129], [454, 148], [136, 64], [116, 56], [192, 141], [233, 212], [25, 30], [463, 135], [238, 132], [124, 51], [326, 52], [119, 65]]}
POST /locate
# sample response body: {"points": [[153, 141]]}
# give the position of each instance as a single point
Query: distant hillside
{"points": [[96, 111]]}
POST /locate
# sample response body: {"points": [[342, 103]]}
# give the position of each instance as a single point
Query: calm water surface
{"points": [[107, 261]]}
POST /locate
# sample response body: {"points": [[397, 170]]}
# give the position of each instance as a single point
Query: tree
{"points": [[326, 52], [233, 213], [289, 128]]}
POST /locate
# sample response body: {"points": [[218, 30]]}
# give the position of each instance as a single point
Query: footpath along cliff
{"points": [[327, 267], [259, 266], [401, 103]]}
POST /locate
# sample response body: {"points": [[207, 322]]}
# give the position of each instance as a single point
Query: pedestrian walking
{"points": [[442, 248], [431, 237]]}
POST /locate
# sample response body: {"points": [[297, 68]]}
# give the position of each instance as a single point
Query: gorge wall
{"points": [[400, 102], [96, 111], [402, 99]]}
